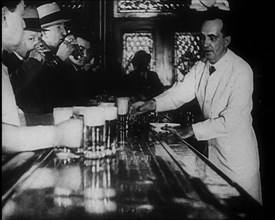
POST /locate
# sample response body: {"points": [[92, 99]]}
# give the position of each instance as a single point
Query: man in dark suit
{"points": [[25, 63], [143, 84], [55, 82], [43, 84]]}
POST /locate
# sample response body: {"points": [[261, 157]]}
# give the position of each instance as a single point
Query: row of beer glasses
{"points": [[104, 127]]}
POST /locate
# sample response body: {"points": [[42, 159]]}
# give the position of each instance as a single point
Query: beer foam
{"points": [[122, 105], [94, 116], [110, 113], [62, 114], [79, 110], [106, 104]]}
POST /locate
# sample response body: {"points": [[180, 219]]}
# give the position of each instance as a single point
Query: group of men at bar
{"points": [[222, 84]]}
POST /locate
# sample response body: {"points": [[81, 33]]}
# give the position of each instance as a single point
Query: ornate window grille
{"points": [[133, 42], [147, 8], [187, 50]]}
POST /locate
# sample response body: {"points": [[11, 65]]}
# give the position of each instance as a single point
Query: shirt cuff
{"points": [[160, 104], [197, 131]]}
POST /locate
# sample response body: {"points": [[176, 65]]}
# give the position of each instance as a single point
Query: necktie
{"points": [[211, 69]]}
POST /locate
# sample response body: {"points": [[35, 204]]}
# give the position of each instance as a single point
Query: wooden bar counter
{"points": [[151, 176]]}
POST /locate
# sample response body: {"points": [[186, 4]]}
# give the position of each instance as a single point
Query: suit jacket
{"points": [[86, 84], [40, 87], [146, 84], [21, 72], [24, 77]]}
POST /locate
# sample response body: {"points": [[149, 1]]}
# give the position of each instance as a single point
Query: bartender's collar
{"points": [[20, 58], [221, 62]]}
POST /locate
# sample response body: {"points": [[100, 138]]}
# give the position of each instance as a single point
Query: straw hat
{"points": [[32, 21], [50, 14]]}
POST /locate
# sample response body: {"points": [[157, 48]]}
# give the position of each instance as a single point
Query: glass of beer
{"points": [[110, 129], [94, 143], [61, 114], [122, 111], [78, 112]]}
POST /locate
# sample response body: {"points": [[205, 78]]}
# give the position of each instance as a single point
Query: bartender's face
{"points": [[214, 42], [55, 35], [27, 43]]}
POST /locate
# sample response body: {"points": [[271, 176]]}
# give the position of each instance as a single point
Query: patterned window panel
{"points": [[133, 42], [187, 50]]}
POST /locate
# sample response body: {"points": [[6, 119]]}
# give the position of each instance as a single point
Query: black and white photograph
{"points": [[137, 109]]}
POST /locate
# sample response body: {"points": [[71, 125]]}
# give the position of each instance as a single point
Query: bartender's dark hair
{"points": [[11, 5], [224, 16]]}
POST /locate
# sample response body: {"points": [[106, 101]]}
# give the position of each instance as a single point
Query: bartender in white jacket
{"points": [[225, 98]]}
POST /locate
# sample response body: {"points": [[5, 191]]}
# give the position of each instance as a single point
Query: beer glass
{"points": [[77, 53], [94, 122], [110, 129], [61, 114], [78, 112], [122, 111]]}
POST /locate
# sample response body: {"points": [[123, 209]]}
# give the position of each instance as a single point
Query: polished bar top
{"points": [[151, 176]]}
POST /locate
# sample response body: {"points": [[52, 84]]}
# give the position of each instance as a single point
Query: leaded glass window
{"points": [[72, 5], [187, 50], [147, 8], [133, 42]]}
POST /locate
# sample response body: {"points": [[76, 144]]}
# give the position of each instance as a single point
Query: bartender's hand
{"points": [[142, 107], [183, 132], [66, 47], [69, 133]]}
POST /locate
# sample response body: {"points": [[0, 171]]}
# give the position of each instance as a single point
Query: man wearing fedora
{"points": [[56, 83], [25, 63], [53, 20], [16, 137]]}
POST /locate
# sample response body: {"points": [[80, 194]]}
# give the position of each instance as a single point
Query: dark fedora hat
{"points": [[32, 21], [50, 14]]}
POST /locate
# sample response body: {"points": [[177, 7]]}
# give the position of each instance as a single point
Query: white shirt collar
{"points": [[222, 61]]}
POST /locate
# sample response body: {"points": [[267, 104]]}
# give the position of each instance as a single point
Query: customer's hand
{"points": [[66, 47], [69, 133]]}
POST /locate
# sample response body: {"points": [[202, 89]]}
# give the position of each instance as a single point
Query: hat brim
{"points": [[35, 29], [33, 24], [59, 21]]}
